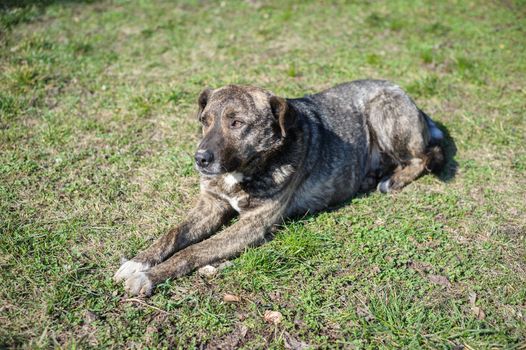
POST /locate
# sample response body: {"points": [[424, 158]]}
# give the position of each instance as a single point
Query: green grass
{"points": [[97, 131]]}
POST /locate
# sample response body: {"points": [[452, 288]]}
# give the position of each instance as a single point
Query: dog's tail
{"points": [[435, 151]]}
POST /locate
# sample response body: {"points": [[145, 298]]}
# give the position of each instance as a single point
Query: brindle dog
{"points": [[269, 158]]}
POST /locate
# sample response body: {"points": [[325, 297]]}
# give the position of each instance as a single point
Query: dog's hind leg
{"points": [[431, 161], [402, 175], [405, 137]]}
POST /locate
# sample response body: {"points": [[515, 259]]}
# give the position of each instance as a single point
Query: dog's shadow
{"points": [[450, 151]]}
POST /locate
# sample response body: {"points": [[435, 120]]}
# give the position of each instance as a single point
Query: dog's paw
{"points": [[128, 269], [385, 186], [139, 284]]}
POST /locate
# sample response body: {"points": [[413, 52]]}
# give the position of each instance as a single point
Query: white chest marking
{"points": [[231, 179]]}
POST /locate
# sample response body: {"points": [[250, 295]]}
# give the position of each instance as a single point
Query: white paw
{"points": [[207, 271], [385, 186], [128, 269], [138, 284]]}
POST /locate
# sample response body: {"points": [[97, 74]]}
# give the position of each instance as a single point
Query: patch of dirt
{"points": [[440, 280], [293, 343]]}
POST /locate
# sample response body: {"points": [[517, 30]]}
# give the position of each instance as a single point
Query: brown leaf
{"points": [[478, 312], [292, 343], [243, 330], [273, 316], [231, 298], [438, 279]]}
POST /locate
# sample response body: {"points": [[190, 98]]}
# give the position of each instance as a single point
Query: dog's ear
{"points": [[283, 113], [202, 100]]}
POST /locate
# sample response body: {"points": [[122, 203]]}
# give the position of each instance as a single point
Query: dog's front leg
{"points": [[249, 231], [202, 221]]}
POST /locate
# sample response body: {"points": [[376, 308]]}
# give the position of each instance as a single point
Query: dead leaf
{"points": [[243, 330], [231, 298], [292, 343], [478, 312], [273, 316], [438, 279]]}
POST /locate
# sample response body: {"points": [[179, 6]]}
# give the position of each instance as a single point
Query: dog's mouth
{"points": [[219, 167], [208, 173]]}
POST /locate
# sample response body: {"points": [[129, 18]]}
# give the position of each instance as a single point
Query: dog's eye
{"points": [[236, 124]]}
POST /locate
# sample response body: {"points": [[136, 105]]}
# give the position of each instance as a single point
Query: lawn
{"points": [[97, 132]]}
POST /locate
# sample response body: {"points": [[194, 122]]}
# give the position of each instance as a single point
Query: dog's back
{"points": [[362, 133]]}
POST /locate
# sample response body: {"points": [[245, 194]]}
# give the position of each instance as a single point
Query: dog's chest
{"points": [[228, 187]]}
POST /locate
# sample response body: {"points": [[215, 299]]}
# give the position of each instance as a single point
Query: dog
{"points": [[268, 158]]}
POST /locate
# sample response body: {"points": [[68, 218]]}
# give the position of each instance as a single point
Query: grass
{"points": [[97, 129]]}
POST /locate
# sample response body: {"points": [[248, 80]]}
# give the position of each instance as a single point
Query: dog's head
{"points": [[242, 126]]}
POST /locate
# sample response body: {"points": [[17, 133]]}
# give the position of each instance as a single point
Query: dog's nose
{"points": [[204, 158]]}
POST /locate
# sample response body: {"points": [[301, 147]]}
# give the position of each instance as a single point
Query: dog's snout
{"points": [[203, 158]]}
